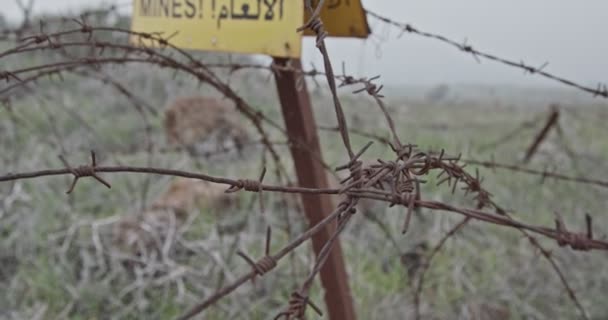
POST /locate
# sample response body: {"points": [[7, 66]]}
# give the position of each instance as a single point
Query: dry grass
{"points": [[190, 121]]}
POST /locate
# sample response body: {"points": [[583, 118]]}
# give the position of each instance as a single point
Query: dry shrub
{"points": [[145, 233], [190, 121]]}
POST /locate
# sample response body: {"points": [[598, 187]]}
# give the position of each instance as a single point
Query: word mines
{"points": [[263, 10]]}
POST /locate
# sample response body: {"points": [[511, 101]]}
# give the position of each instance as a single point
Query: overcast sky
{"points": [[570, 35]]}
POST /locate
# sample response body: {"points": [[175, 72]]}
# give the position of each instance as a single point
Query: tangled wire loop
{"points": [[577, 241], [264, 265], [315, 24], [247, 184], [83, 171]]}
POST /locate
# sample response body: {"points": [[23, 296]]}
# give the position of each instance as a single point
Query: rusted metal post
{"points": [[301, 128]]}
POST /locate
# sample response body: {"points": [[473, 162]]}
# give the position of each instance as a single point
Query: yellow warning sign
{"points": [[240, 26], [341, 18]]}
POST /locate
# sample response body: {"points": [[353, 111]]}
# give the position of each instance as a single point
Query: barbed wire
{"points": [[42, 41], [492, 164], [407, 170], [575, 240], [420, 165], [600, 90], [28, 27], [543, 173]]}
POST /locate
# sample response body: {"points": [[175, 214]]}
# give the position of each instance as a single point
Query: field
{"points": [[57, 260]]}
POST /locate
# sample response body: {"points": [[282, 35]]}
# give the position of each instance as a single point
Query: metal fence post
{"points": [[300, 123]]}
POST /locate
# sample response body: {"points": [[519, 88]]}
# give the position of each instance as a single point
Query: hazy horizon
{"points": [[568, 36]]}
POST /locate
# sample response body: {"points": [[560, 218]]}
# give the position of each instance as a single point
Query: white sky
{"points": [[569, 34]]}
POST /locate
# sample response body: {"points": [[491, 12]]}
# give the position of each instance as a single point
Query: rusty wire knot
{"points": [[297, 307], [84, 27], [429, 161], [356, 175], [6, 75], [356, 170], [576, 240], [164, 42], [371, 88], [398, 198], [83, 171], [367, 172], [144, 35], [405, 186], [37, 39], [264, 264], [533, 70], [346, 80], [248, 184], [404, 152], [602, 90], [409, 28], [316, 25], [474, 184], [465, 47], [355, 166], [90, 61], [393, 166], [346, 213]]}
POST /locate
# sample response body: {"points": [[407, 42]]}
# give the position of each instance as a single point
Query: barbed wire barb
{"points": [[83, 171]]}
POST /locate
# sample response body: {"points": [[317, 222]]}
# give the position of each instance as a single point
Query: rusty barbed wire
{"points": [[543, 173], [573, 238], [42, 41], [28, 27], [83, 171], [601, 90], [377, 172], [407, 170], [316, 25], [276, 257], [492, 164]]}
